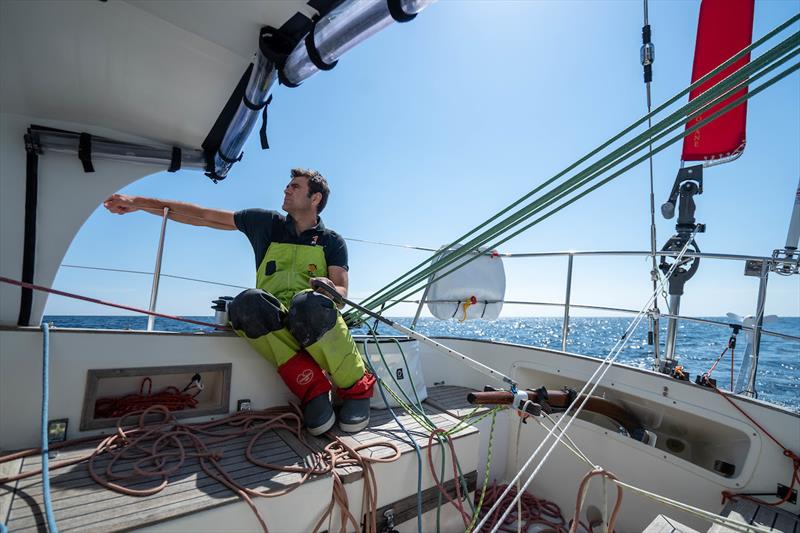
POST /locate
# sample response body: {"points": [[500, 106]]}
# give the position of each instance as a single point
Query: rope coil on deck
{"points": [[156, 450]]}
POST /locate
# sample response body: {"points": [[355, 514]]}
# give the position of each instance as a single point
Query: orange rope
{"points": [[793, 457], [158, 450], [579, 501], [535, 511], [171, 397]]}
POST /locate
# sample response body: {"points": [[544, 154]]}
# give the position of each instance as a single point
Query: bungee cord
{"points": [[586, 391]]}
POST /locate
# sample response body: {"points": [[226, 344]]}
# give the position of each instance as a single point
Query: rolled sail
{"points": [[724, 28]]}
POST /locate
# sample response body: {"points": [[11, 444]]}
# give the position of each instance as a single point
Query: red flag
{"points": [[725, 28]]}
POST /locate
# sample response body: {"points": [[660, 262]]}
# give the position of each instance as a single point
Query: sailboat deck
{"points": [[80, 503]]}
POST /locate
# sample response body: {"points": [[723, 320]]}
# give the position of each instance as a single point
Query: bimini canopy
{"points": [[168, 84], [188, 74]]}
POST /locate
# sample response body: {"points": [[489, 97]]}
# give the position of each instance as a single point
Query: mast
{"points": [[724, 28]]}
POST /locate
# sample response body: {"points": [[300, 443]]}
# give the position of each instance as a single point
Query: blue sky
{"points": [[429, 127]]}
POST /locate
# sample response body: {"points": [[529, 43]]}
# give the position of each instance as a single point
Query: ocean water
{"points": [[699, 345]]}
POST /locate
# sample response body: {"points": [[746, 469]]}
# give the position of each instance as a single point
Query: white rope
{"points": [[587, 390], [700, 513]]}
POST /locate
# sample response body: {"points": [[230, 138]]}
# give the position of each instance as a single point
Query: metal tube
{"points": [[157, 271], [750, 390], [344, 27], [793, 234], [262, 77], [419, 307], [565, 324], [656, 325], [108, 149], [635, 253], [672, 327]]}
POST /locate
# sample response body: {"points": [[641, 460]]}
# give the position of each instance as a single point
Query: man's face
{"points": [[295, 196]]}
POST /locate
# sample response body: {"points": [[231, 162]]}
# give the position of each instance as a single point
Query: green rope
{"points": [[477, 512], [380, 295], [418, 414], [709, 98], [736, 81], [663, 146]]}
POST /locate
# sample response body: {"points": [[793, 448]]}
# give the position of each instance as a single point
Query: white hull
{"points": [[708, 427]]}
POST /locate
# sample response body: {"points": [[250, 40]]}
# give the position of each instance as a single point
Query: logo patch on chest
{"points": [[311, 268]]}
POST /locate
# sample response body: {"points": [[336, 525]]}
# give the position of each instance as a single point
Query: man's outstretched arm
{"points": [[178, 211]]}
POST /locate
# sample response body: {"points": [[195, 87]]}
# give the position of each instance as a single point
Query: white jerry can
{"points": [[404, 377], [475, 290]]}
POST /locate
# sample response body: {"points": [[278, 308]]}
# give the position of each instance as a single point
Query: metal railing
{"points": [[780, 261], [764, 264]]}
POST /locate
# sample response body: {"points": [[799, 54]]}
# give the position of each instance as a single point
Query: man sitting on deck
{"points": [[293, 327]]}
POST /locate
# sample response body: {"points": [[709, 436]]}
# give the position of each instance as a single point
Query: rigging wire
{"points": [[739, 79], [731, 84], [126, 271], [732, 524], [585, 392], [647, 57]]}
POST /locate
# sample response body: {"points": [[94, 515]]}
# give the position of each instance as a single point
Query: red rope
{"points": [[171, 398], [534, 511], [789, 454], [102, 302]]}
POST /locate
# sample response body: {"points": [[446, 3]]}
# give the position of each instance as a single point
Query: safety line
{"points": [[740, 76], [700, 513], [586, 391], [10, 281], [631, 128], [125, 271], [572, 187]]}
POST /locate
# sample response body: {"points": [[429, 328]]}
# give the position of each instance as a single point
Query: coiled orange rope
{"points": [[159, 449]]}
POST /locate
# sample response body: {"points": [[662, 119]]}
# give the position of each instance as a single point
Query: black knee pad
{"points": [[311, 315], [256, 313]]}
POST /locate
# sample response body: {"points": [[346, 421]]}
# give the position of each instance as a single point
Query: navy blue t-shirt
{"points": [[264, 227]]}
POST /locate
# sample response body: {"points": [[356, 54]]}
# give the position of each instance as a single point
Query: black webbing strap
{"points": [[85, 152], [283, 80], [397, 13], [214, 138], [29, 244], [175, 162], [263, 108], [262, 133], [230, 160], [313, 53]]}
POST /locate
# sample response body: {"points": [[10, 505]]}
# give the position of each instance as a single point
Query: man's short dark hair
{"points": [[316, 183]]}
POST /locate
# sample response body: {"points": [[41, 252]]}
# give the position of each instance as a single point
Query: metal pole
{"points": [[565, 325], [157, 271], [419, 307], [672, 327], [655, 324], [759, 322]]}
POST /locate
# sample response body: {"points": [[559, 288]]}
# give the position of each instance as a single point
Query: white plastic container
{"points": [[475, 290], [395, 373]]}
